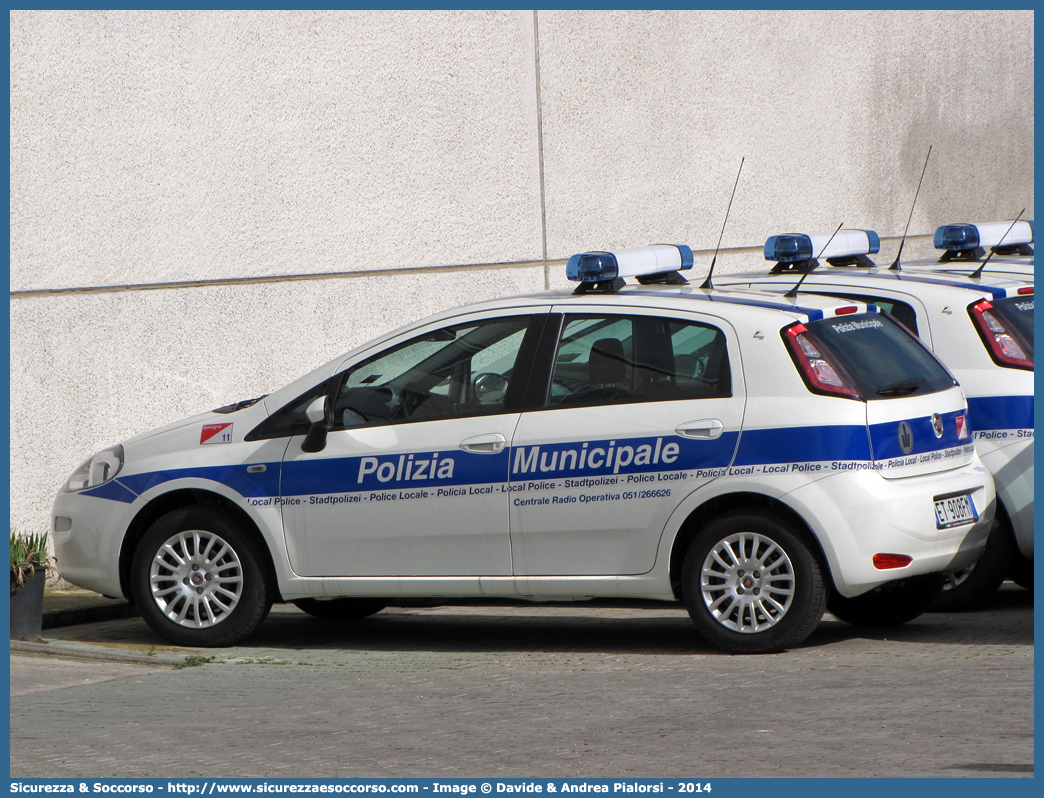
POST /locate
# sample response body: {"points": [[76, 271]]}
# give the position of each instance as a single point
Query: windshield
{"points": [[882, 358]]}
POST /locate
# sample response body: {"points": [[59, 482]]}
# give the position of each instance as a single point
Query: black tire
{"points": [[341, 609], [969, 588], [1020, 571], [231, 596], [890, 604], [720, 595]]}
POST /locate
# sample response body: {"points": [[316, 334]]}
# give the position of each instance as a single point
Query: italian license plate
{"points": [[954, 511]]}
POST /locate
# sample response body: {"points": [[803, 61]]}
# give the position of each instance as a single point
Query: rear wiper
{"points": [[901, 387]]}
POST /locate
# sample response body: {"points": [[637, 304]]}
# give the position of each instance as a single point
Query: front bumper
{"points": [[1012, 468], [88, 534]]}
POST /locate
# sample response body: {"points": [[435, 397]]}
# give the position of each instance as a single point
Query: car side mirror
{"points": [[316, 411], [315, 439]]}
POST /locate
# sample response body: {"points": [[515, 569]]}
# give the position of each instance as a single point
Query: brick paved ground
{"points": [[546, 691]]}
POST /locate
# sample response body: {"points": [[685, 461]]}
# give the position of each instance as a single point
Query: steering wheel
{"points": [[350, 417], [489, 387], [377, 403]]}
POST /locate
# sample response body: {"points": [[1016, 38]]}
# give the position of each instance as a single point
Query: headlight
{"points": [[97, 471]]}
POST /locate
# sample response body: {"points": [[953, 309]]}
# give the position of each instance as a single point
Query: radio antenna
{"points": [[707, 283], [895, 266], [792, 293], [977, 274]]}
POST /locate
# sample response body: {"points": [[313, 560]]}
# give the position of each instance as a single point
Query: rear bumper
{"points": [[857, 515]]}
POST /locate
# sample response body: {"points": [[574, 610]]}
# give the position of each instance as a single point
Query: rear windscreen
{"points": [[1016, 313], [882, 359], [900, 311]]}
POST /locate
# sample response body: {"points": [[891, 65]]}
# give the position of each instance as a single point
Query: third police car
{"points": [[747, 454], [981, 328]]}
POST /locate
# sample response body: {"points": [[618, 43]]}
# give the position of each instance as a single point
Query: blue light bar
{"points": [[597, 267], [788, 248], [794, 247], [961, 237]]}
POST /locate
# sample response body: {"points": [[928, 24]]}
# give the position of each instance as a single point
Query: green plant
{"points": [[193, 661], [28, 552]]}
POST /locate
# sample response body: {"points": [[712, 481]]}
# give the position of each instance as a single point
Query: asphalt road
{"points": [[537, 691]]}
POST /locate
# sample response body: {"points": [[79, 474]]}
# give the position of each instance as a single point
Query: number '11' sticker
{"points": [[216, 433]]}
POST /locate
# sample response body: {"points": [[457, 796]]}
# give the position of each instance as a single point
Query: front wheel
{"points": [[751, 585], [197, 578], [890, 604]]}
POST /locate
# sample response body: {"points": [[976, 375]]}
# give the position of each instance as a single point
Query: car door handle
{"points": [[492, 443], [705, 428]]}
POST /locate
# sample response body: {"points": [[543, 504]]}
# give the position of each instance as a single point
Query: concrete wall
{"points": [[174, 175]]}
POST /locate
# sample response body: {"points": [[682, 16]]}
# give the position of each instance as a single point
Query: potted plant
{"points": [[29, 564]]}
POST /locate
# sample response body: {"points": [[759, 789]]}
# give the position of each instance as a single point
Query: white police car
{"points": [[745, 453], [964, 250], [981, 328]]}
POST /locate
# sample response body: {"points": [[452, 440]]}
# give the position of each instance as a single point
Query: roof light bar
{"points": [[794, 247], [961, 237], [597, 267]]}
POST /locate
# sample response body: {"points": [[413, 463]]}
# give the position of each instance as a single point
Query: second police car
{"points": [[982, 328], [748, 454]]}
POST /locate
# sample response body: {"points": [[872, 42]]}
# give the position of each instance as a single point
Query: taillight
{"points": [[1002, 345], [821, 372], [885, 562]]}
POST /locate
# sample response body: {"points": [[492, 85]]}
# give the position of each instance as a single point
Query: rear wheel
{"points": [[890, 604], [969, 587], [341, 609], [751, 585], [198, 580]]}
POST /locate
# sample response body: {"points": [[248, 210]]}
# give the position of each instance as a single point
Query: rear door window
{"points": [[620, 359]]}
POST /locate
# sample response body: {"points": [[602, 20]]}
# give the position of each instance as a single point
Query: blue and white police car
{"points": [[745, 453], [981, 328]]}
